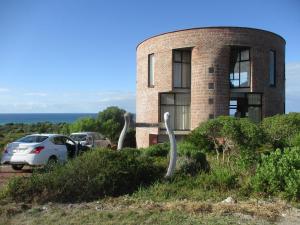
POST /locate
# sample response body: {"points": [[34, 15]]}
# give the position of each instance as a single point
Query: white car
{"points": [[91, 139], [39, 149]]}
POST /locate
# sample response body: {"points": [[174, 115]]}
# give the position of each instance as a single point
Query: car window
{"points": [[58, 141], [32, 139], [68, 141], [78, 137]]}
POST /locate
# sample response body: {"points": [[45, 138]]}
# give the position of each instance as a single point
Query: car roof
{"points": [[84, 133], [49, 135]]}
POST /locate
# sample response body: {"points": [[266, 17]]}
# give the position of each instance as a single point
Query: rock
{"points": [[229, 200]]}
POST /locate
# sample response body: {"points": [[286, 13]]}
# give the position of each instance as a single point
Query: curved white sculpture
{"points": [[173, 151], [124, 131]]}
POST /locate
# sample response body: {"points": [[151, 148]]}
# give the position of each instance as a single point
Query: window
{"points": [[254, 106], [151, 70], [178, 105], [181, 68], [272, 68], [211, 86], [210, 101], [240, 67], [211, 116]]}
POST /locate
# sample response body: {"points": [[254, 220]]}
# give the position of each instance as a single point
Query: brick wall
{"points": [[210, 47]]}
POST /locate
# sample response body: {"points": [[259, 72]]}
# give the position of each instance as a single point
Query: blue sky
{"points": [[79, 55]]}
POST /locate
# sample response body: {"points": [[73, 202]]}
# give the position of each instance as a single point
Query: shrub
{"points": [[92, 175], [279, 173], [191, 160], [201, 141], [158, 150], [280, 129]]}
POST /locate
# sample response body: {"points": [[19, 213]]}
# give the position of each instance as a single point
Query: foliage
{"points": [[191, 160], [92, 175], [84, 124], [279, 172], [111, 121], [130, 140], [280, 129], [158, 150]]}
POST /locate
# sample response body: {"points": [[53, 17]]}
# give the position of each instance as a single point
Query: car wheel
{"points": [[17, 167], [51, 162]]}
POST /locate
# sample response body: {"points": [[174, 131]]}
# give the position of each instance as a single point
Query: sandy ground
{"points": [[6, 172]]}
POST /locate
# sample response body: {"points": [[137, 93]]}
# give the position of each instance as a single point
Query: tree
{"points": [[111, 121], [84, 124]]}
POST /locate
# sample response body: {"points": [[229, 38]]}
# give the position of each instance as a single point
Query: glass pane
{"points": [[186, 56], [177, 56], [177, 75], [171, 110], [272, 68], [151, 70], [182, 118], [244, 74], [233, 103], [254, 113], [186, 75], [245, 54], [183, 99], [254, 99], [236, 71], [234, 83], [167, 99]]}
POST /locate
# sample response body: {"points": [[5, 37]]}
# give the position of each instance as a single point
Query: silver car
{"points": [[91, 139]]}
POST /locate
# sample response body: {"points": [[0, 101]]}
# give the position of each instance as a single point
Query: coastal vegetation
{"points": [[222, 157]]}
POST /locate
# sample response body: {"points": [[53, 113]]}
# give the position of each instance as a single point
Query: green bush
{"points": [[280, 129], [158, 150], [278, 173], [92, 175], [191, 159]]}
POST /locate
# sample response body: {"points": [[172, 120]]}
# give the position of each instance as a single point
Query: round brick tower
{"points": [[201, 73]]}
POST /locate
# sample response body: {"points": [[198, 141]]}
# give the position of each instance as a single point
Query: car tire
{"points": [[51, 162], [17, 166]]}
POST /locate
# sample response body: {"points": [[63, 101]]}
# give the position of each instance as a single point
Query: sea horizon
{"points": [[30, 118]]}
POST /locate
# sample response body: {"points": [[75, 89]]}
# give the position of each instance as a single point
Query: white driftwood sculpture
{"points": [[124, 131], [173, 151]]}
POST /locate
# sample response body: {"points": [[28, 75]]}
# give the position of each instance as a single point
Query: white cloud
{"points": [[80, 102], [293, 87], [4, 89], [39, 94]]}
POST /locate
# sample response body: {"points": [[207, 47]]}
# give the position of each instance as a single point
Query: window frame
{"points": [[239, 61], [181, 62], [175, 111], [151, 56], [274, 69]]}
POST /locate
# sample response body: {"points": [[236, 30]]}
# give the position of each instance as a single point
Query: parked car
{"points": [[39, 149], [91, 139]]}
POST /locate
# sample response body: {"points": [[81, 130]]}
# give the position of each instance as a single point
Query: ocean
{"points": [[42, 117]]}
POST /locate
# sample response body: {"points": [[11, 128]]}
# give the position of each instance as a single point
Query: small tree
{"points": [[111, 121], [84, 124]]}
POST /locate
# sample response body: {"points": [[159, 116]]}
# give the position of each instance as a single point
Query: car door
{"points": [[60, 148]]}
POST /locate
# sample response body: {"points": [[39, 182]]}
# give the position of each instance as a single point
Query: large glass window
{"points": [[178, 105], [246, 105], [181, 68], [151, 70], [239, 67], [272, 68], [254, 106]]}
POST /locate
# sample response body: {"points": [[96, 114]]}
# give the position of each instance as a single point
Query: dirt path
{"points": [[7, 172]]}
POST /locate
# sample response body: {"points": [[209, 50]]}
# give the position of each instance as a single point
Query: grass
{"points": [[127, 210]]}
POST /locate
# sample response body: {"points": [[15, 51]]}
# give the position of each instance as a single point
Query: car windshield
{"points": [[32, 139], [79, 137]]}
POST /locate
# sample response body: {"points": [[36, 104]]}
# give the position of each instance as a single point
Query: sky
{"points": [[79, 55]]}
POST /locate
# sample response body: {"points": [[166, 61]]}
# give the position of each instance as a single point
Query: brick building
{"points": [[199, 74]]}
